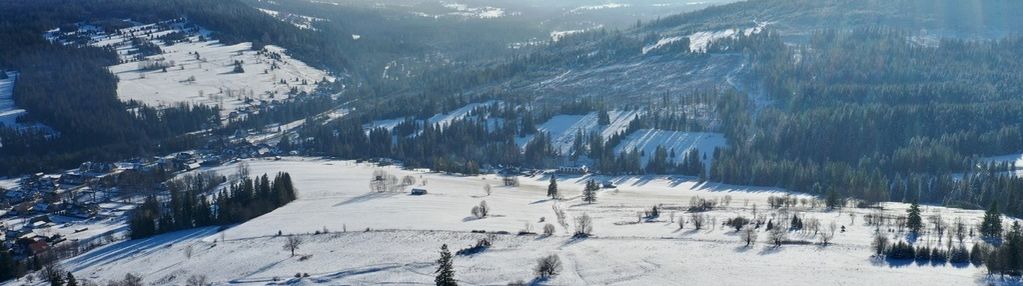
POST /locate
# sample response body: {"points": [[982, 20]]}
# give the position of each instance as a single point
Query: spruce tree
{"points": [[71, 281], [991, 226], [445, 269], [552, 189], [914, 222], [590, 192]]}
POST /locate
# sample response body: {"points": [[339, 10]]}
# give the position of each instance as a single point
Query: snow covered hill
{"points": [[393, 238]]}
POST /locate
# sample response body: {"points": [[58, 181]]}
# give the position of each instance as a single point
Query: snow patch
{"points": [[661, 43]]}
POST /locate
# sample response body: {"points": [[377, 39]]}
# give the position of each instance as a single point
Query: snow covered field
{"points": [[211, 80], [405, 233], [200, 70]]}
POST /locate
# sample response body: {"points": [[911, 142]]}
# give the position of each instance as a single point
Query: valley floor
{"points": [[406, 232]]}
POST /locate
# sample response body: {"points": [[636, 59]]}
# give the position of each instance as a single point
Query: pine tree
{"points": [[991, 226], [552, 189], [71, 281], [832, 200], [56, 279], [445, 269], [914, 222], [590, 192]]}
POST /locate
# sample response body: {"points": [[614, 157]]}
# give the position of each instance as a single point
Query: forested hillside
{"points": [[70, 89]]}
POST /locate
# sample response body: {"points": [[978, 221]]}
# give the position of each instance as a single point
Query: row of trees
{"points": [[190, 206]]}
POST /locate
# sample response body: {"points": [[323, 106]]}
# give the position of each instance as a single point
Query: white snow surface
{"points": [[661, 43], [699, 41], [598, 7], [407, 231]]}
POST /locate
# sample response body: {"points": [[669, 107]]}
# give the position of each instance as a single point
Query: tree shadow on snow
{"points": [[998, 280], [537, 281], [771, 249], [572, 241], [541, 201], [368, 197], [743, 248]]}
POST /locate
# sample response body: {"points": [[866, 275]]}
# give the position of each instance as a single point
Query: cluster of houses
{"points": [[27, 211]]}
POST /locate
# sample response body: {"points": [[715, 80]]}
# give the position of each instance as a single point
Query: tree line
{"points": [[189, 205]]}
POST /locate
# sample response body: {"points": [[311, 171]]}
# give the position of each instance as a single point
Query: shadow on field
{"points": [[368, 197], [129, 248]]}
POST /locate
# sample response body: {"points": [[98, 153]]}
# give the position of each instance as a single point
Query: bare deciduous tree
{"points": [[748, 235], [828, 234], [292, 244], [408, 180], [548, 266], [778, 235], [698, 220], [583, 225]]}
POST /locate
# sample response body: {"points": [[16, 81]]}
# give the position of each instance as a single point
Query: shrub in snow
{"points": [[548, 266], [879, 244], [481, 245], [548, 229], [481, 211], [737, 222], [653, 213]]}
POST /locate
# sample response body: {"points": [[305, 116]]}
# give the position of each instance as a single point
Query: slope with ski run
{"points": [[393, 238], [208, 79], [440, 119], [679, 142], [563, 129]]}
